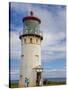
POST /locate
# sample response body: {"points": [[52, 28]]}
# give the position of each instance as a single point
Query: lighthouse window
{"points": [[24, 40], [22, 55], [37, 59], [30, 40], [37, 55], [20, 76], [36, 40]]}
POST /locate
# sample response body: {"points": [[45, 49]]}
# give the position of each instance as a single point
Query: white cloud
{"points": [[19, 7], [53, 38], [53, 47], [15, 46], [55, 73], [14, 74]]}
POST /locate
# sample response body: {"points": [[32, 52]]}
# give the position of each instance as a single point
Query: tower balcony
{"points": [[37, 34]]}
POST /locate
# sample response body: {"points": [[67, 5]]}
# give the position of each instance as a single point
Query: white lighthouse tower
{"points": [[30, 68]]}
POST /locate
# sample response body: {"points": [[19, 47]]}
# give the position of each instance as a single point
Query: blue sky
{"points": [[53, 26]]}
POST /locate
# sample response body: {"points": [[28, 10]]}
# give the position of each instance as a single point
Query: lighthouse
{"points": [[30, 64]]}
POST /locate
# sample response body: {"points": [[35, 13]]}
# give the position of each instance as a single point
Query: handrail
{"points": [[37, 33]]}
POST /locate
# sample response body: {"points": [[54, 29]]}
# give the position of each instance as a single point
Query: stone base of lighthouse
{"points": [[34, 81]]}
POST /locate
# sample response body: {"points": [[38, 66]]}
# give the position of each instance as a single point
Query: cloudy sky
{"points": [[53, 48]]}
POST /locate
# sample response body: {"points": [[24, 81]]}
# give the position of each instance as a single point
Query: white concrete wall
{"points": [[30, 58]]}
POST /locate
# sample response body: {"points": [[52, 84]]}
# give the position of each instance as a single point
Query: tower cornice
{"points": [[31, 18], [37, 35]]}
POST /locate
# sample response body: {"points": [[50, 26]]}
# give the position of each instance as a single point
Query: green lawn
{"points": [[14, 85], [49, 83], [56, 83]]}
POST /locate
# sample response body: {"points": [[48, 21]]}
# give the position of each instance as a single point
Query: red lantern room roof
{"points": [[31, 17]]}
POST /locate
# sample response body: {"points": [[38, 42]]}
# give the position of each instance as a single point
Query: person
{"points": [[26, 82]]}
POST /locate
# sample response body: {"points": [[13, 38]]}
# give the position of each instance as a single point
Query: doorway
{"points": [[38, 78]]}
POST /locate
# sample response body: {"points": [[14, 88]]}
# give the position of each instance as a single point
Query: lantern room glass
{"points": [[31, 27]]}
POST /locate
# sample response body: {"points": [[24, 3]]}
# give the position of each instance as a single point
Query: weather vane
{"points": [[31, 13]]}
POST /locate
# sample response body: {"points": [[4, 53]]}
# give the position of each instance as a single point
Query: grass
{"points": [[13, 85], [49, 83]]}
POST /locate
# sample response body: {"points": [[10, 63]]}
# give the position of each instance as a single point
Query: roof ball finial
{"points": [[31, 13]]}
